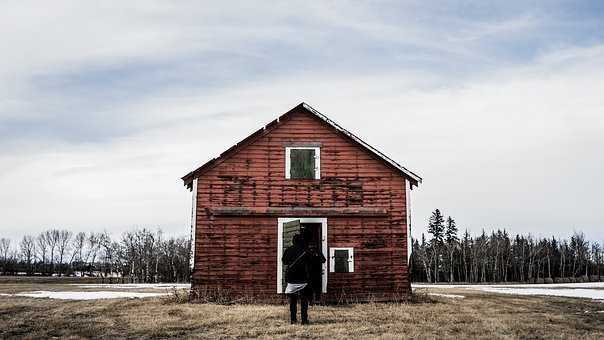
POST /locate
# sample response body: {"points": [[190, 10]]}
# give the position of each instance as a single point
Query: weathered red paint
{"points": [[240, 197]]}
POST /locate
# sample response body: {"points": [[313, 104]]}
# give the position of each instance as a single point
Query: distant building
{"points": [[302, 173]]}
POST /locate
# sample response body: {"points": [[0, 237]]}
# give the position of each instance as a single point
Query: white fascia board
{"points": [[193, 222]]}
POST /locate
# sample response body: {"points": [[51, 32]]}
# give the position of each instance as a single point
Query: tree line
{"points": [[137, 256], [499, 257]]}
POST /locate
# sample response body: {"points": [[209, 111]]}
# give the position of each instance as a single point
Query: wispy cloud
{"points": [[103, 107]]}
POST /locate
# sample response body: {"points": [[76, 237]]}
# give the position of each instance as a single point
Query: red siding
{"points": [[239, 253]]}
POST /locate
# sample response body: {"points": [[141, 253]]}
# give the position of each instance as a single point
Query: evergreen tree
{"points": [[451, 232], [451, 243], [436, 228], [499, 257]]}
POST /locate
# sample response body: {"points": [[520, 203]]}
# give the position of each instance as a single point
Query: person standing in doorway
{"points": [[316, 259], [297, 260]]}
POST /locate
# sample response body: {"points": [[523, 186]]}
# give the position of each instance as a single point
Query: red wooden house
{"points": [[302, 173]]}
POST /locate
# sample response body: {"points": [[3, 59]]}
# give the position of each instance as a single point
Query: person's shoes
{"points": [[293, 322], [305, 322]]}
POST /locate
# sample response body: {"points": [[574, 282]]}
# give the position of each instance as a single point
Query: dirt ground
{"points": [[477, 316]]}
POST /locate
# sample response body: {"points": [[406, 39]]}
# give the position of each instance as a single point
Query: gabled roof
{"points": [[188, 178]]}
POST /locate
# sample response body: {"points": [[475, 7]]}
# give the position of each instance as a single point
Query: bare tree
{"points": [[93, 249], [107, 252], [28, 252], [158, 254], [77, 249], [425, 258], [129, 252], [142, 255], [580, 248], [599, 259], [64, 236], [52, 239], [4, 250], [42, 247]]}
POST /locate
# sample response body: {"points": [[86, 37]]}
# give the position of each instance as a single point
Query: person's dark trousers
{"points": [[293, 306]]}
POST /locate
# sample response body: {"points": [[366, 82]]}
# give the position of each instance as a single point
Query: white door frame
{"points": [[280, 222]]}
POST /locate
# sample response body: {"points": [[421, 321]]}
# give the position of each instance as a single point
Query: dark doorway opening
{"points": [[311, 232]]}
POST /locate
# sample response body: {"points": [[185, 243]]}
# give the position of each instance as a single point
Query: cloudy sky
{"points": [[103, 107]]}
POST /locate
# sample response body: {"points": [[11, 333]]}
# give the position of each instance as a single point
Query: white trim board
{"points": [[193, 223], [280, 222], [408, 213]]}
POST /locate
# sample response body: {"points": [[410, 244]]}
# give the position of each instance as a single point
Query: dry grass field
{"points": [[479, 315]]}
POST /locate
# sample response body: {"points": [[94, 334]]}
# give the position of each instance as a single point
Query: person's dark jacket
{"points": [[296, 259]]}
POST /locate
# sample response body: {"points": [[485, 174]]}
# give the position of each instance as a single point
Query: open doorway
{"points": [[314, 232], [311, 233]]}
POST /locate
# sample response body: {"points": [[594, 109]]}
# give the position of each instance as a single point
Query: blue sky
{"points": [[498, 106]]}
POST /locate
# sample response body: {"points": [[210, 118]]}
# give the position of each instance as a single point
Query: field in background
{"points": [[437, 314]]}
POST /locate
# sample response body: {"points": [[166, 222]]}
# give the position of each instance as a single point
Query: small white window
{"points": [[341, 260], [302, 162]]}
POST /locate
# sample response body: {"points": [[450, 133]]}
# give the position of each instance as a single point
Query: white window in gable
{"points": [[302, 162], [341, 260]]}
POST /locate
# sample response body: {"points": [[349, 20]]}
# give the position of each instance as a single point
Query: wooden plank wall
{"points": [[238, 253]]}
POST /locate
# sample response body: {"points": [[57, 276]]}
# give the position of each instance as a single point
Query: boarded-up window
{"points": [[341, 260], [302, 163]]}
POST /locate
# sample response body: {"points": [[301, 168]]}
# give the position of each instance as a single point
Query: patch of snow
{"points": [[576, 290], [575, 293], [3, 294], [451, 296], [137, 285], [88, 295], [522, 285]]}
